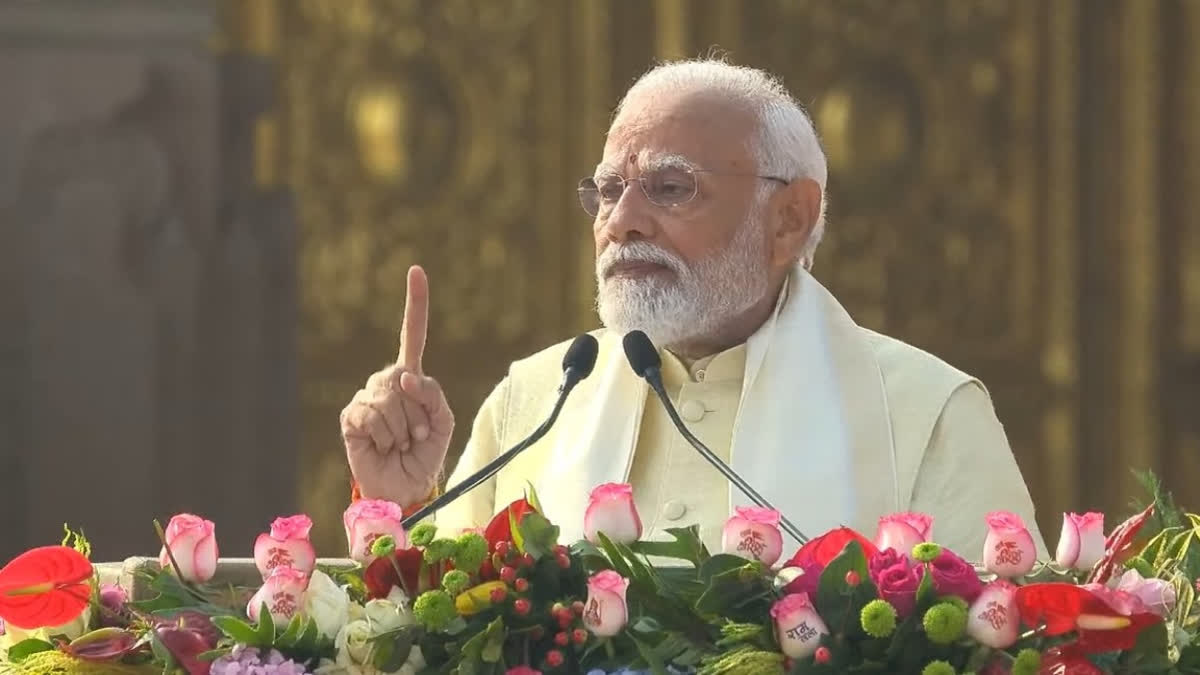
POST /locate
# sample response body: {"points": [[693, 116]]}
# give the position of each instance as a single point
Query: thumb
{"points": [[428, 393]]}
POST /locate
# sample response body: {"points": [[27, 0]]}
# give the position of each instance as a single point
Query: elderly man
{"points": [[708, 206]]}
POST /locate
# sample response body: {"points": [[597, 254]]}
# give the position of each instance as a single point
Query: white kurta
{"points": [[836, 425]]}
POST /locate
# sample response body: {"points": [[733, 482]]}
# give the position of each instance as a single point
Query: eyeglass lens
{"points": [[670, 186]]}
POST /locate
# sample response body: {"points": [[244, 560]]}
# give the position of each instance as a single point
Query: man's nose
{"points": [[630, 218]]}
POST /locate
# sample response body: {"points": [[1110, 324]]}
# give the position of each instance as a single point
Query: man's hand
{"points": [[397, 428]]}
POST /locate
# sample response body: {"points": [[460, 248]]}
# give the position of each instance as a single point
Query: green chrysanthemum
{"points": [[878, 618], [1028, 662], [938, 668], [944, 623], [456, 581], [472, 551], [383, 546], [435, 609], [956, 601], [439, 550], [926, 552], [422, 534]]}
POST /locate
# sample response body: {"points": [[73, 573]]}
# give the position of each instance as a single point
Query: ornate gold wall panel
{"points": [[423, 132], [1001, 195]]}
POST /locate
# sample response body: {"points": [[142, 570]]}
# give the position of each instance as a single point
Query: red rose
{"points": [[954, 576], [823, 549], [897, 582]]}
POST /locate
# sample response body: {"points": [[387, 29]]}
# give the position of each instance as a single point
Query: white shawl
{"points": [[812, 433]]}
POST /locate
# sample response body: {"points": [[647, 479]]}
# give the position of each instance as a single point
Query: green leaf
{"points": [[401, 642], [493, 647], [26, 648], [686, 546], [292, 633], [926, 596], [213, 654], [532, 498], [719, 564], [514, 528], [309, 638], [652, 659], [618, 562], [266, 627], [538, 534], [836, 600], [237, 630], [638, 571], [729, 590], [161, 653]]}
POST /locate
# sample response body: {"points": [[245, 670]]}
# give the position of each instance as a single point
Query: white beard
{"points": [[701, 298]]}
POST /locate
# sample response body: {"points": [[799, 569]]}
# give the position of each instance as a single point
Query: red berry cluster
{"points": [[513, 568]]}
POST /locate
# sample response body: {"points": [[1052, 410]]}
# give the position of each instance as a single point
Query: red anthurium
{"points": [[1106, 620], [1118, 547], [44, 587], [820, 551], [186, 646], [380, 576], [105, 644], [499, 529]]}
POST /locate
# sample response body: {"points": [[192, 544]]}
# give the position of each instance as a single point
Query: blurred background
{"points": [[207, 210]]}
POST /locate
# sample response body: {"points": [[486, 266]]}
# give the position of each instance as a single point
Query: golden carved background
{"points": [[1013, 187]]}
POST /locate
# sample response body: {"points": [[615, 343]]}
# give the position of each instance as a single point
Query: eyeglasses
{"points": [[668, 186]]}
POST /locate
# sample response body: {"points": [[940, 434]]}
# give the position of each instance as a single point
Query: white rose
{"points": [[352, 643], [326, 603], [398, 597], [386, 616]]}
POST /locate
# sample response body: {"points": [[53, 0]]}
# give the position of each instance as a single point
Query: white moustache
{"points": [[637, 252]]}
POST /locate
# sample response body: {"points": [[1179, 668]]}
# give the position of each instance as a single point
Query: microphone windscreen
{"points": [[581, 355], [640, 352]]}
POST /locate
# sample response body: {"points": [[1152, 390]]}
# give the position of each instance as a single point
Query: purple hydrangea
{"points": [[248, 661]]}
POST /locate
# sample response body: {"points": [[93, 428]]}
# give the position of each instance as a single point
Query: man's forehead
{"points": [[655, 131], [649, 159]]}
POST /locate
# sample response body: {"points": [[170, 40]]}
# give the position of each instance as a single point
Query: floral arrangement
{"points": [[510, 599]]}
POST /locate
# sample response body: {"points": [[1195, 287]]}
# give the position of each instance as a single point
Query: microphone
{"points": [[644, 360], [577, 365]]}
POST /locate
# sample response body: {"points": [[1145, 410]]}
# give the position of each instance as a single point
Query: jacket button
{"points": [[674, 510], [692, 411]]}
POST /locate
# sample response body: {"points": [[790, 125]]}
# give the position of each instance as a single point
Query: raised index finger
{"points": [[416, 320]]}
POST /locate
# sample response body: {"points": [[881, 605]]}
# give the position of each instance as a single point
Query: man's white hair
{"points": [[786, 145]]}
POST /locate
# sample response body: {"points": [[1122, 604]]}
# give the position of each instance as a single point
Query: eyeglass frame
{"points": [[641, 181]]}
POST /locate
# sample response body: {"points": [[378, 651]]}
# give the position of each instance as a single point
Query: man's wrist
{"points": [[434, 492]]}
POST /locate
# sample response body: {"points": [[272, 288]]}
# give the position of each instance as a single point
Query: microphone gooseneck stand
{"points": [[644, 360], [577, 365]]}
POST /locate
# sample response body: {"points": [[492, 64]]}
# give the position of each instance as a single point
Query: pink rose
{"points": [[283, 593], [954, 576], [753, 533], [193, 544], [368, 519], [1158, 595], [611, 511], [1009, 550], [903, 531], [797, 625], [1081, 544], [896, 580], [993, 618], [286, 545], [606, 613]]}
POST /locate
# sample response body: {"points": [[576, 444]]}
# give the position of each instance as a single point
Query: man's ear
{"points": [[799, 207]]}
